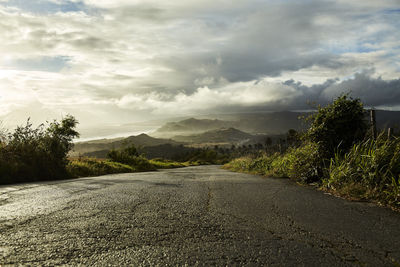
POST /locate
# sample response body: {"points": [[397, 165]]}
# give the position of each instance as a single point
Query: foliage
{"points": [[370, 170], [293, 138], [30, 154], [130, 156], [167, 164], [304, 163], [93, 167], [338, 125], [83, 167], [200, 156], [335, 152], [126, 155], [301, 164], [265, 165]]}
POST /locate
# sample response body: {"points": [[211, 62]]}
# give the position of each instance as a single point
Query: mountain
{"points": [[191, 125], [272, 123], [167, 148], [266, 123], [229, 135], [141, 140], [228, 129]]}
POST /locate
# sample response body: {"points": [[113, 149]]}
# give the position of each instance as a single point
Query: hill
{"points": [[272, 123], [229, 135], [266, 123], [192, 125], [237, 129], [142, 140]]}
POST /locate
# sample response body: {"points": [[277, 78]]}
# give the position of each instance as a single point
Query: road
{"points": [[196, 215]]}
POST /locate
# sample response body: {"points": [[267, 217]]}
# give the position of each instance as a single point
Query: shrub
{"points": [[304, 163], [30, 154], [265, 165], [130, 156], [126, 155], [338, 126]]}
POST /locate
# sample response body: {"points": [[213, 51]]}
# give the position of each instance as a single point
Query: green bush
{"points": [[244, 164], [265, 165], [130, 156], [31, 154], [126, 155], [303, 163], [338, 126], [140, 163], [334, 151]]}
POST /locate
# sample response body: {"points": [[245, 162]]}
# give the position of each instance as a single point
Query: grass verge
{"points": [[84, 167], [369, 171]]}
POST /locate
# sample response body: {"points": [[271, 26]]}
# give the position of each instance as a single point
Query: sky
{"points": [[124, 61]]}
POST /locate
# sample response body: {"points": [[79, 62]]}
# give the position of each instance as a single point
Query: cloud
{"points": [[268, 96], [373, 92], [133, 60]]}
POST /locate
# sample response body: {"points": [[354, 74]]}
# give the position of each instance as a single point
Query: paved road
{"points": [[196, 215]]}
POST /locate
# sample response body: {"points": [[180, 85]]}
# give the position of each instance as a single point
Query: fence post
{"points": [[390, 132], [373, 123]]}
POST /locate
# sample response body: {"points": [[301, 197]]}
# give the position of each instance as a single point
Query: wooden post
{"points": [[373, 123], [390, 132]]}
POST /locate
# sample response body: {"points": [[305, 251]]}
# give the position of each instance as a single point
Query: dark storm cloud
{"points": [[374, 92], [153, 58]]}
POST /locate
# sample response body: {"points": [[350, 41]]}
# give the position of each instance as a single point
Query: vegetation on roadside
{"points": [[369, 170], [32, 154], [338, 154], [41, 153], [83, 167]]}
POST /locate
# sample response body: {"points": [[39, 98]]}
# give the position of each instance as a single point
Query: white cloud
{"points": [[243, 94], [130, 60]]}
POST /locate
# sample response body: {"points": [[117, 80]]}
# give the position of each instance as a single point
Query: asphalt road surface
{"points": [[191, 216]]}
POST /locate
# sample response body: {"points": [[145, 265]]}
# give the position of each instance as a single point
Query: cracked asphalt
{"points": [[191, 216]]}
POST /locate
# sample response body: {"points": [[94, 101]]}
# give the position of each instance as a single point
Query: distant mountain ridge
{"points": [[273, 123], [193, 125], [266, 123], [141, 140], [246, 129], [224, 135]]}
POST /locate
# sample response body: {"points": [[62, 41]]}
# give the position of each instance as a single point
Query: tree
{"points": [[39, 153], [338, 125], [59, 136]]}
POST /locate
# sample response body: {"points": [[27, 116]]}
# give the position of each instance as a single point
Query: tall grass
{"points": [[85, 167], [370, 170], [168, 164], [301, 163], [335, 154]]}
